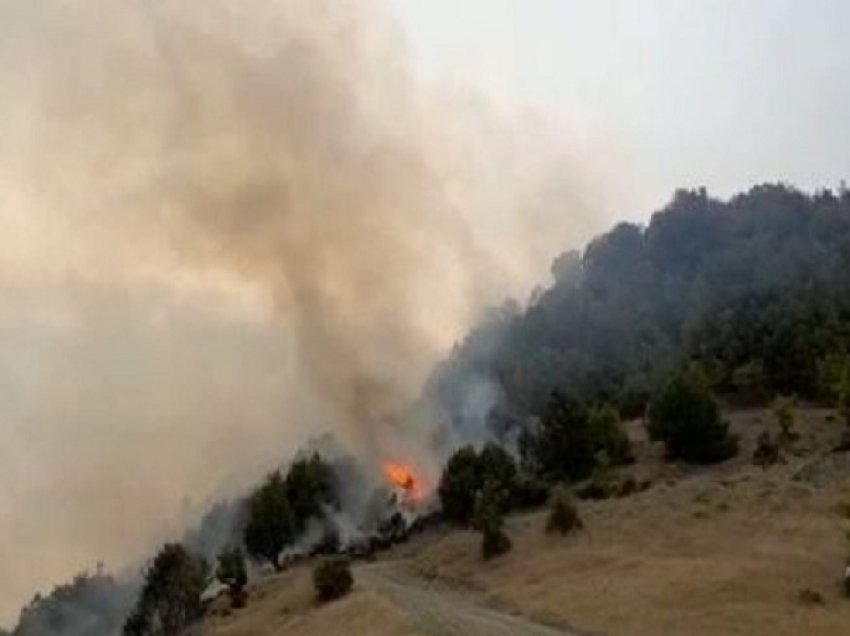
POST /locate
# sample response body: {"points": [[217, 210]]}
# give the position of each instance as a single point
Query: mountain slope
{"points": [[755, 288], [708, 551]]}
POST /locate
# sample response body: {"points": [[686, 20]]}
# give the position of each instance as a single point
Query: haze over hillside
{"points": [[752, 290], [757, 283], [231, 227]]}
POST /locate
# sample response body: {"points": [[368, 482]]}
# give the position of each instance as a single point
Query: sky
{"points": [[721, 93], [231, 225]]}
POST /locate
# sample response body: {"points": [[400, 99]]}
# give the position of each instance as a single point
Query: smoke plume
{"points": [[229, 226]]}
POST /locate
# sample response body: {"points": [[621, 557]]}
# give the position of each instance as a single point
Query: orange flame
{"points": [[402, 477]]}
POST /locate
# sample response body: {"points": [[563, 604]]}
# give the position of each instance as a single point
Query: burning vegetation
{"points": [[403, 477]]}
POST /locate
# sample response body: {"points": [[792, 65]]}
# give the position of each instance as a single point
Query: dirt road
{"points": [[434, 609]]}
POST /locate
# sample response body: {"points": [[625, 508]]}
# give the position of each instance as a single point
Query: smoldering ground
{"points": [[229, 226]]}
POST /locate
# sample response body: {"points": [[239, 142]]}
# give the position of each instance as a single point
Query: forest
{"points": [[754, 290]]}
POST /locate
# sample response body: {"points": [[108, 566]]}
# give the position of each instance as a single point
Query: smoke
{"points": [[229, 226], [90, 605]]}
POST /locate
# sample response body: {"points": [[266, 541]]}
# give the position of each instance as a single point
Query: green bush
{"points": [[171, 595], [563, 447], [686, 417], [569, 438], [497, 469], [309, 487], [563, 513], [529, 492], [609, 436], [488, 520], [467, 473], [459, 484], [270, 526], [332, 579]]}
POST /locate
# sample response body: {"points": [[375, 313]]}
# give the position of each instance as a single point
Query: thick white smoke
{"points": [[229, 226]]}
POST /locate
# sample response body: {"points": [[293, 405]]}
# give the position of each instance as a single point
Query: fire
{"points": [[402, 477]]}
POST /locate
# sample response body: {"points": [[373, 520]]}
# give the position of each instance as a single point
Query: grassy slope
{"points": [[283, 604], [708, 551], [722, 550]]}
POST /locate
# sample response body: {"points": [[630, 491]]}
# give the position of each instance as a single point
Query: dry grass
{"points": [[284, 604], [723, 550]]}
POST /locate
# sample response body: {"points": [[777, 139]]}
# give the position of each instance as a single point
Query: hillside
{"points": [[754, 288], [706, 551], [739, 301]]}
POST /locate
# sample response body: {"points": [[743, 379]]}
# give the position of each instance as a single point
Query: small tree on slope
{"points": [[488, 520], [686, 417], [270, 526]]}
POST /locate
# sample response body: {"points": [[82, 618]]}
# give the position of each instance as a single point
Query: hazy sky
{"points": [[722, 93]]}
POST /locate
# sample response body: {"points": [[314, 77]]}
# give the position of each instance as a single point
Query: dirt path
{"points": [[434, 609]]}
